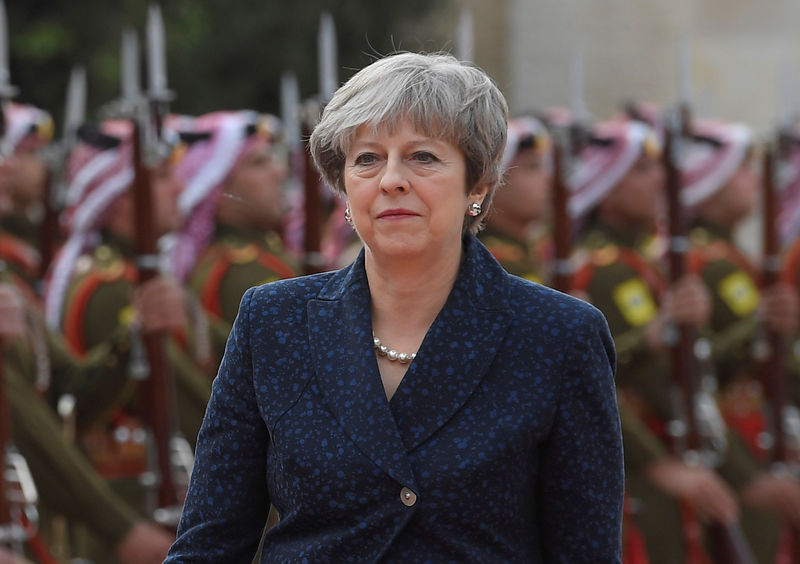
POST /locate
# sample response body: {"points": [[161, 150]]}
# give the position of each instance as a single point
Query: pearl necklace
{"points": [[391, 354]]}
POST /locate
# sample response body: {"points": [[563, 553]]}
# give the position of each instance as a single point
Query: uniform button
{"points": [[408, 497]]}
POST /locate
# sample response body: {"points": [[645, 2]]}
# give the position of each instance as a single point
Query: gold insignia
{"points": [[103, 253], [248, 253], [700, 236], [126, 316], [739, 293], [114, 270], [45, 129], [533, 277], [634, 300], [83, 265], [606, 255]]}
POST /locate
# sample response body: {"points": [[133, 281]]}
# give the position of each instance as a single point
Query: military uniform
{"points": [[38, 369], [97, 310], [67, 484], [626, 287], [734, 281], [235, 261], [526, 260]]}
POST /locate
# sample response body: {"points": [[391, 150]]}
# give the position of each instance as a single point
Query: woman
{"points": [[492, 435]]}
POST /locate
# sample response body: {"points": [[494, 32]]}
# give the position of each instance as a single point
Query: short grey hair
{"points": [[441, 96]]}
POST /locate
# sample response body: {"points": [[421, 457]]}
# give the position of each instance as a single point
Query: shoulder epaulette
{"points": [[82, 291], [717, 250], [218, 258], [20, 253]]}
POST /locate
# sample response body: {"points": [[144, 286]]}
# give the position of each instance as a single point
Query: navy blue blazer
{"points": [[501, 444]]}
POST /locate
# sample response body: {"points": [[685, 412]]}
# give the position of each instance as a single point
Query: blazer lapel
{"points": [[458, 349], [340, 335]]}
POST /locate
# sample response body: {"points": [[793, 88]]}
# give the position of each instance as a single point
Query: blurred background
{"points": [[225, 54]]}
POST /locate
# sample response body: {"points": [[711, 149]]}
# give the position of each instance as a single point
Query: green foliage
{"points": [[221, 54]]}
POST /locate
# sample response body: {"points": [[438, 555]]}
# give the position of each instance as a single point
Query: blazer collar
{"points": [[454, 357]]}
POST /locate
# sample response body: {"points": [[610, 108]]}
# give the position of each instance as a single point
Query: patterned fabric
{"points": [[501, 444]]}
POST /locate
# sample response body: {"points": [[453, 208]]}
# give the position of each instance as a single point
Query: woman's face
{"points": [[407, 191]]}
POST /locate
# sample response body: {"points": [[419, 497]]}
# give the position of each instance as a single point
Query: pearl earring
{"points": [[474, 209]]}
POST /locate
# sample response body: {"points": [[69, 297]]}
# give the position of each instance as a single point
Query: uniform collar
{"points": [[22, 227], [119, 243], [599, 233], [713, 230]]}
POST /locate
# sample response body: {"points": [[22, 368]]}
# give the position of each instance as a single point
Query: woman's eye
{"points": [[366, 159], [425, 157]]}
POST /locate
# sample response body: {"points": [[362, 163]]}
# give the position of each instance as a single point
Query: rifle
{"points": [[313, 261], [562, 226], [18, 497], [169, 456], [783, 419], [174, 458], [18, 514], [55, 157], [698, 432], [568, 141]]}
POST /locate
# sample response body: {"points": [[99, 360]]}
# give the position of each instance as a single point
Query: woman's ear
{"points": [[480, 190]]}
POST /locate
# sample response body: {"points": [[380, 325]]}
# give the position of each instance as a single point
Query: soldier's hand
{"points": [[704, 489], [688, 302], [780, 306], [144, 544], [161, 305], [778, 494], [12, 312]]}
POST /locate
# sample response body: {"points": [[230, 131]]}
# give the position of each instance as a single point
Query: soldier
{"points": [[23, 176], [90, 296], [617, 197], [67, 485], [234, 169], [720, 187], [515, 230]]}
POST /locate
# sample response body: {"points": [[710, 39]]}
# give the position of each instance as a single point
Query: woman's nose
{"points": [[394, 176]]}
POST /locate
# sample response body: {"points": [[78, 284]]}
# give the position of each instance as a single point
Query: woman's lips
{"points": [[398, 213]]}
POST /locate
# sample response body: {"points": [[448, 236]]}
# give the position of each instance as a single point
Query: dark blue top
{"points": [[503, 436]]}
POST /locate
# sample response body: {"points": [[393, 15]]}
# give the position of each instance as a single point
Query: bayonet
{"points": [[7, 91], [156, 55], [129, 72], [55, 156], [580, 113], [465, 47], [75, 107], [290, 105], [327, 55], [684, 81]]}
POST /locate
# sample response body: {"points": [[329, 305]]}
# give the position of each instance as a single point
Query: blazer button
{"points": [[408, 497]]}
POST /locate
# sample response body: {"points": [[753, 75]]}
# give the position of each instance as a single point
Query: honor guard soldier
{"points": [[233, 205], [23, 175], [617, 197], [515, 231], [90, 297], [720, 188]]}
